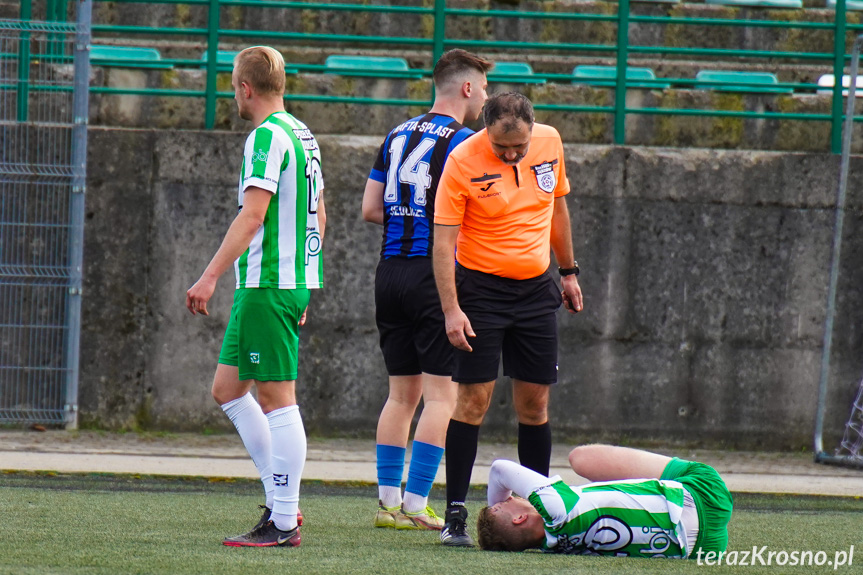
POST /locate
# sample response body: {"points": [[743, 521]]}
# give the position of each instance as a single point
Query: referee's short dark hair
{"points": [[455, 63], [508, 106]]}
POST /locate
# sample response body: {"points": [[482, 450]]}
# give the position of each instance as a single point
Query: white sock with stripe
{"points": [[288, 459], [254, 429]]}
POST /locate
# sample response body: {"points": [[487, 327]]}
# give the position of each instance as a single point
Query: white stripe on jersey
{"points": [[311, 264], [288, 209], [270, 182], [290, 241], [653, 503]]}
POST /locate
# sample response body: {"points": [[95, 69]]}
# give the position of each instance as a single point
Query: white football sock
{"points": [[288, 459], [254, 429], [414, 502], [390, 496]]}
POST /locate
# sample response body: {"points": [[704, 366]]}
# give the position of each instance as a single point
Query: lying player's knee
{"points": [[582, 456]]}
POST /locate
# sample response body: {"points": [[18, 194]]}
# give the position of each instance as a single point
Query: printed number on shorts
{"points": [[414, 171]]}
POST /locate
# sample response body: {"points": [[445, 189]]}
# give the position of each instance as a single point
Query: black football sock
{"points": [[534, 446], [461, 443]]}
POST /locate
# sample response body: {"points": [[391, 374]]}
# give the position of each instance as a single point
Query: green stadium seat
{"points": [[795, 4], [606, 76], [374, 66], [849, 4], [660, 1], [127, 57], [224, 58], [729, 81], [504, 72]]}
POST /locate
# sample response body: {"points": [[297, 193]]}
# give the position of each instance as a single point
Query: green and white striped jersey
{"points": [[632, 518], [282, 156]]}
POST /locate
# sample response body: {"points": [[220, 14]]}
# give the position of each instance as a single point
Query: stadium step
{"points": [[10, 10], [793, 4], [597, 128], [541, 31]]}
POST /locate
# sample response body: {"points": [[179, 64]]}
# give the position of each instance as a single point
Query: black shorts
{"points": [[516, 317], [409, 318]]}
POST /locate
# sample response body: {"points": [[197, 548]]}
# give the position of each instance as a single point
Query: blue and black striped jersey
{"points": [[409, 164]]}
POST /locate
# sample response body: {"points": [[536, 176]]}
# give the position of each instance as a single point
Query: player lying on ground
{"points": [[639, 504]]}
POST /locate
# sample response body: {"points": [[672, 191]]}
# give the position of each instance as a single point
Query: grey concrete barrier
{"points": [[704, 275]]}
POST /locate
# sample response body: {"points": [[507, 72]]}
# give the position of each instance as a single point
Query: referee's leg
{"points": [[462, 437], [534, 431], [461, 444]]}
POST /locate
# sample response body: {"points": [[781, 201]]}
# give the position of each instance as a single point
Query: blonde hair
{"points": [[263, 68]]}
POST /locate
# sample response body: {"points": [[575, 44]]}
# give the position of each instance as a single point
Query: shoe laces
{"points": [[457, 526], [258, 531]]}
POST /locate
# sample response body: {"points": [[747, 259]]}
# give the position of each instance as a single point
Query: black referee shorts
{"points": [[515, 317], [409, 318]]}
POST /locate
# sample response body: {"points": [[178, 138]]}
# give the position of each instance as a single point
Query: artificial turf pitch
{"points": [[120, 524]]}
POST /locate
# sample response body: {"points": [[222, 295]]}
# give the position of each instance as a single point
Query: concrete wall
{"points": [[704, 272]]}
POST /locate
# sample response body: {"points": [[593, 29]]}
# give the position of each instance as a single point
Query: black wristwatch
{"points": [[569, 271]]}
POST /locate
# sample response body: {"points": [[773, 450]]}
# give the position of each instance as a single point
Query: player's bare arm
{"points": [[237, 240], [561, 244], [458, 327], [373, 202]]}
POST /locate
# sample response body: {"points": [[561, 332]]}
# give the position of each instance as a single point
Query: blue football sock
{"points": [[391, 467], [425, 459]]}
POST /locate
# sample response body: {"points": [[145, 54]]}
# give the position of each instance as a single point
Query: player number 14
{"points": [[414, 171]]}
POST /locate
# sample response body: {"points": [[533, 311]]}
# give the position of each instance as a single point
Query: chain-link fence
{"points": [[42, 170], [852, 441]]}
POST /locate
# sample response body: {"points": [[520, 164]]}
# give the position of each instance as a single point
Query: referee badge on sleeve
{"points": [[545, 178]]}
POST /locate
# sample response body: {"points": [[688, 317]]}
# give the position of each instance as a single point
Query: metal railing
{"points": [[43, 156], [437, 41], [852, 459]]}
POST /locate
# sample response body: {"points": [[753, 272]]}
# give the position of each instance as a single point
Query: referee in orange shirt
{"points": [[500, 206]]}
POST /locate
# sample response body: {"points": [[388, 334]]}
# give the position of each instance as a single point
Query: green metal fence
{"points": [[437, 41]]}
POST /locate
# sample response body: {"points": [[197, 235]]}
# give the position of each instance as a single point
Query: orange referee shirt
{"points": [[504, 211]]}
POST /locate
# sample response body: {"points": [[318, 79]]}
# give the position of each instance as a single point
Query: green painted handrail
{"points": [[838, 72], [622, 64]]}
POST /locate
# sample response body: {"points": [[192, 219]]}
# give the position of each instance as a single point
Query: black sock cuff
{"points": [[534, 430], [462, 430]]}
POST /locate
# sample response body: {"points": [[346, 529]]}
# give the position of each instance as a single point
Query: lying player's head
{"points": [[262, 69], [456, 68], [511, 525]]}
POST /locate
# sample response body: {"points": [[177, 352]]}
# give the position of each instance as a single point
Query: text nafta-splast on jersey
{"points": [[282, 156], [409, 164]]}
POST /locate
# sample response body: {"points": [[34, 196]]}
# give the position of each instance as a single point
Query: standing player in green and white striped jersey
{"points": [[639, 504], [274, 245]]}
